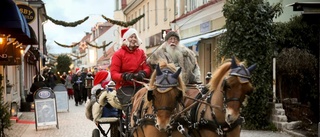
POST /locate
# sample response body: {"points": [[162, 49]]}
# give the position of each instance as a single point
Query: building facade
{"points": [[197, 22], [29, 51]]}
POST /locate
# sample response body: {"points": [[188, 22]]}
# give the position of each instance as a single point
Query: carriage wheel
{"points": [[114, 129], [96, 133]]}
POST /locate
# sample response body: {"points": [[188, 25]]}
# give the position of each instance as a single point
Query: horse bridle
{"points": [[244, 76], [165, 80]]}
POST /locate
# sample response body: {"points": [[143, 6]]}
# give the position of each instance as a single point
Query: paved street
{"points": [[75, 124], [71, 124]]}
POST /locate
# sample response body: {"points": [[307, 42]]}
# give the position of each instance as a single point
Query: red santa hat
{"points": [[101, 76], [127, 32], [77, 69]]}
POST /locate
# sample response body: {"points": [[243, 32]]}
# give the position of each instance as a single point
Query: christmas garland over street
{"points": [[66, 24], [122, 23], [67, 46], [78, 57], [98, 47]]}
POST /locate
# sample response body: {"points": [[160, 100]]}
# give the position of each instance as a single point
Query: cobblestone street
{"points": [[71, 124], [75, 124]]}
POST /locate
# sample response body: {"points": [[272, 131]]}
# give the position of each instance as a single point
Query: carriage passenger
{"points": [[128, 63], [174, 52]]}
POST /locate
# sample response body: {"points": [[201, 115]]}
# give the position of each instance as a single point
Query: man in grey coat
{"points": [[172, 51]]}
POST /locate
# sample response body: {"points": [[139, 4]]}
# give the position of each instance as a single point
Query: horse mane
{"points": [[219, 74]]}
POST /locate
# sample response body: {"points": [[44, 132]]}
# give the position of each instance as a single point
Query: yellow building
{"points": [[197, 22]]}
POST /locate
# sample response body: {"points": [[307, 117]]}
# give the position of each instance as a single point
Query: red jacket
{"points": [[128, 61]]}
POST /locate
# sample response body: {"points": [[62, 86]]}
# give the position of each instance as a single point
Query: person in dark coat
{"points": [[38, 82], [84, 94], [78, 84], [51, 80]]}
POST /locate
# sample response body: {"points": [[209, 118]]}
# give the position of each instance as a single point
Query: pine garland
{"points": [[66, 24], [98, 47], [78, 57], [122, 23], [67, 46]]}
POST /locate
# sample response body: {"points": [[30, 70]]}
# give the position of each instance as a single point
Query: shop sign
{"points": [[28, 12]]}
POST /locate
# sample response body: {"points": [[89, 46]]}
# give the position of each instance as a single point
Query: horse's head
{"points": [[235, 87], [167, 92]]}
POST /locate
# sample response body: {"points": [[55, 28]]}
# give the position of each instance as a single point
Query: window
{"points": [[156, 12], [144, 19], [165, 10], [176, 7], [140, 21], [117, 5], [135, 25], [148, 11]]}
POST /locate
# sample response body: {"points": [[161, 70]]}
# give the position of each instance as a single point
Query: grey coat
{"points": [[68, 82]]}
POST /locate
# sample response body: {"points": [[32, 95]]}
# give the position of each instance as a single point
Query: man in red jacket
{"points": [[128, 63]]}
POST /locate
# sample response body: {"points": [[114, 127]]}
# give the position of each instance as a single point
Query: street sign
{"points": [[45, 108]]}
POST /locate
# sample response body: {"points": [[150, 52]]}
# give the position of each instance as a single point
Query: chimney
{"points": [[123, 4]]}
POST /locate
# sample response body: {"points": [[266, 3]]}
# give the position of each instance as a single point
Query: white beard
{"points": [[175, 53]]}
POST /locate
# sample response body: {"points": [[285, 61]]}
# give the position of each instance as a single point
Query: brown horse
{"points": [[219, 112], [154, 106]]}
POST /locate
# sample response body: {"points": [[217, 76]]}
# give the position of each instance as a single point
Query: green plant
{"points": [[249, 37], [64, 61], [5, 122]]}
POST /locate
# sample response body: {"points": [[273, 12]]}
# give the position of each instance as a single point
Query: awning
{"points": [[13, 23], [195, 39]]}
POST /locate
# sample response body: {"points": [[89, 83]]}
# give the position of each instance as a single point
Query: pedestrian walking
{"points": [[83, 89], [38, 82], [69, 86], [77, 86]]}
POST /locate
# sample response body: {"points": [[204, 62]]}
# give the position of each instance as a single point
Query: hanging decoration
{"points": [[123, 24], [66, 24], [78, 57], [83, 46], [98, 47], [67, 46]]}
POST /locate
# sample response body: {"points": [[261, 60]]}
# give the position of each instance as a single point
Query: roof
{"points": [[195, 10], [307, 7]]}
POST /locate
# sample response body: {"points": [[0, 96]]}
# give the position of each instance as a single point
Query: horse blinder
{"points": [[150, 95]]}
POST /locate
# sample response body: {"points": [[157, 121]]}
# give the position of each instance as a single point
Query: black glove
{"points": [[127, 76], [140, 75]]}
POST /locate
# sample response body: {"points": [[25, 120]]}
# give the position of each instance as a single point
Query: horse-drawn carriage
{"points": [[165, 107]]}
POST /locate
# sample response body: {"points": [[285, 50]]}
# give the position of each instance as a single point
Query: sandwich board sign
{"points": [[45, 108], [62, 98]]}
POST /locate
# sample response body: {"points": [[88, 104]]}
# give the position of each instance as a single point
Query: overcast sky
{"points": [[70, 11]]}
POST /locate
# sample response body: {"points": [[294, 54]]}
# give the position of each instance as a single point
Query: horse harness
{"points": [[220, 128], [163, 83]]}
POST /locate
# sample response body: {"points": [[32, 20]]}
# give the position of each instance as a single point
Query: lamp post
{"points": [[89, 84]]}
